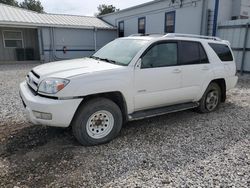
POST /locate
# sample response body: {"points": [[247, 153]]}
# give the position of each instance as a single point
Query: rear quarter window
{"points": [[222, 51]]}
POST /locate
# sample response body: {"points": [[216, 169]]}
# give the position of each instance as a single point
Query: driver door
{"points": [[158, 80]]}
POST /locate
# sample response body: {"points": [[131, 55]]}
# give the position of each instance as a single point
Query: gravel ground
{"points": [[184, 149]]}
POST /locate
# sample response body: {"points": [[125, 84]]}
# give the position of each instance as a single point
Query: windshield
{"points": [[120, 51]]}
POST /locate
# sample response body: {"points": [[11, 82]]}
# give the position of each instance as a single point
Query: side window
{"points": [[192, 53], [222, 51], [142, 25], [203, 55], [160, 55], [189, 53], [121, 29]]}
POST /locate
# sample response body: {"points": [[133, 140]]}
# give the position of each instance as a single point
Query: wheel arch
{"points": [[116, 96], [222, 84]]}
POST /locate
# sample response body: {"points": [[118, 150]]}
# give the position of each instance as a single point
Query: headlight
{"points": [[52, 85]]}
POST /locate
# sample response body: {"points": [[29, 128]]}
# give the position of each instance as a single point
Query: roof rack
{"points": [[146, 34], [192, 36]]}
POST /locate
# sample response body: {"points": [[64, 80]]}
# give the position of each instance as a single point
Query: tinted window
{"points": [[189, 52], [160, 55], [192, 53], [141, 25], [222, 51], [203, 55]]}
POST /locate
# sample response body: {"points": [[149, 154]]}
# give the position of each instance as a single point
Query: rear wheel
{"points": [[211, 99], [98, 121]]}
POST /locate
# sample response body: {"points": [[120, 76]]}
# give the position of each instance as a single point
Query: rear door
{"points": [[196, 69]]}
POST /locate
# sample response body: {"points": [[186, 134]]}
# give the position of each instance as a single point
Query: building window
{"points": [[121, 29], [170, 22], [13, 39], [142, 25]]}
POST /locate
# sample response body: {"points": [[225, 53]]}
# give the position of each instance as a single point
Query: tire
{"points": [[97, 121], [211, 99]]}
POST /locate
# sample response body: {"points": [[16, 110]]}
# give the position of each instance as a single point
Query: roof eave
{"points": [[130, 8], [34, 25]]}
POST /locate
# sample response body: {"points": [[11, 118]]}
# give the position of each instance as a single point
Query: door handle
{"points": [[176, 71], [205, 68]]}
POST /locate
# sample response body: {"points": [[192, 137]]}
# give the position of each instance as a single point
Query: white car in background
{"points": [[129, 79]]}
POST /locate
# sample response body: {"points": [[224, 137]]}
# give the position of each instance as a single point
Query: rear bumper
{"points": [[62, 111], [231, 82]]}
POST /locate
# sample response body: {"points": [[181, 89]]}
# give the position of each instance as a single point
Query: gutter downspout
{"points": [[244, 49], [202, 16], [95, 38], [216, 10]]}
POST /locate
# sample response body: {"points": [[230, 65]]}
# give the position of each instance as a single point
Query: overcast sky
{"points": [[84, 7]]}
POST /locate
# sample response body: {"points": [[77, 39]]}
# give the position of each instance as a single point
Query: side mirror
{"points": [[138, 63]]}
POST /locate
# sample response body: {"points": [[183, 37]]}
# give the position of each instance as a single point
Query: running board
{"points": [[160, 111]]}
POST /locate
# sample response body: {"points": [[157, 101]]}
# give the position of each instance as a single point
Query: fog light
{"points": [[42, 115]]}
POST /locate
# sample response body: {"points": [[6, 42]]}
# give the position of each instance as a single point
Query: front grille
{"points": [[35, 74], [32, 90], [32, 81]]}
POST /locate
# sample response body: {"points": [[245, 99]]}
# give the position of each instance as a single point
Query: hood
{"points": [[74, 67]]}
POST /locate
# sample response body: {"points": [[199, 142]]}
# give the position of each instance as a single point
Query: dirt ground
{"points": [[183, 149]]}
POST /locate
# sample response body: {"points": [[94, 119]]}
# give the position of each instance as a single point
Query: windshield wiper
{"points": [[94, 57], [106, 60]]}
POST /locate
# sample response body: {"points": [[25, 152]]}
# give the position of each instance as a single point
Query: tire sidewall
{"points": [[211, 87], [80, 126]]}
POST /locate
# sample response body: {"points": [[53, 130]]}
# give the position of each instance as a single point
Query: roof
{"points": [[10, 15], [132, 8]]}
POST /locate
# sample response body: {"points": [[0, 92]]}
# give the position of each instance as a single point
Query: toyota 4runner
{"points": [[129, 79]]}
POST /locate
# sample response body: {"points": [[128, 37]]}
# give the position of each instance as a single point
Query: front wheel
{"points": [[98, 121], [211, 99]]}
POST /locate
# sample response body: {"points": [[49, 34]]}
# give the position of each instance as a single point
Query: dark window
{"points": [[160, 55], [189, 53], [192, 53], [170, 22], [203, 55], [142, 25], [222, 51], [121, 29], [234, 18]]}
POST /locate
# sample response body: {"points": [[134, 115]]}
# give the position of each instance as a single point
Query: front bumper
{"points": [[62, 110]]}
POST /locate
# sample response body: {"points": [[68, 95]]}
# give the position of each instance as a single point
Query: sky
{"points": [[84, 7]]}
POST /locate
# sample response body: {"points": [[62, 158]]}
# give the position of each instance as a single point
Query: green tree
{"points": [[10, 2], [34, 5], [105, 9]]}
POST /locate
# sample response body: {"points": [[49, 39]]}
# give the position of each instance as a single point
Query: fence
{"points": [[237, 32]]}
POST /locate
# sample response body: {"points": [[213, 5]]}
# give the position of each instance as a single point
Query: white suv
{"points": [[128, 79]]}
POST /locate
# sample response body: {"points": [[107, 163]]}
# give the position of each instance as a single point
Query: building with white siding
{"points": [[180, 16], [27, 35]]}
